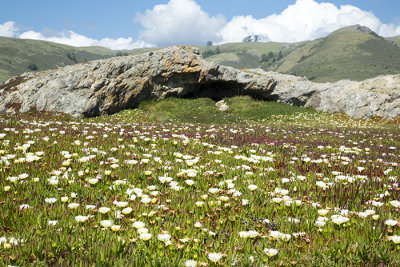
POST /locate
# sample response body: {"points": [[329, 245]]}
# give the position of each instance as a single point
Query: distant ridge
{"points": [[355, 52], [20, 55]]}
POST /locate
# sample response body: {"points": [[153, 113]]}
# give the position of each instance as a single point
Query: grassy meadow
{"points": [[178, 183]]}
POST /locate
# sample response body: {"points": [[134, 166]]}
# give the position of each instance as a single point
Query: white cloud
{"points": [[179, 22], [8, 29], [184, 22], [304, 20], [75, 39]]}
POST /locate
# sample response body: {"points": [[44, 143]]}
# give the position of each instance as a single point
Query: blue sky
{"points": [[123, 24]]}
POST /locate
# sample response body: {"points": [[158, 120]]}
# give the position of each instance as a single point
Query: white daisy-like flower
{"points": [[106, 223], [81, 218], [115, 227], [127, 211], [73, 205], [189, 182], [52, 222], [270, 252], [120, 204], [391, 222], [323, 212], [199, 203], [93, 181], [104, 210], [190, 263], [145, 236], [214, 257], [395, 239], [252, 187], [50, 200], [213, 190], [164, 237], [395, 203], [138, 224], [338, 219]]}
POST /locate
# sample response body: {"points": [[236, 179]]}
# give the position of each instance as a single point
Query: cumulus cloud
{"points": [[179, 22], [185, 22], [8, 29], [304, 20], [75, 39]]}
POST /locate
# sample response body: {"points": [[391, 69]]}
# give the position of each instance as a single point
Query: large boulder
{"points": [[110, 85], [379, 96]]}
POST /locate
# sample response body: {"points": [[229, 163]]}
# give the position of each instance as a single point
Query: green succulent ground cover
{"points": [[150, 187]]}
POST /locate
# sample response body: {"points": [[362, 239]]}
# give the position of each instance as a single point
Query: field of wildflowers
{"points": [[108, 192]]}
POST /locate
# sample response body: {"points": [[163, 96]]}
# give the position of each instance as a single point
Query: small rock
{"points": [[224, 107], [220, 103]]}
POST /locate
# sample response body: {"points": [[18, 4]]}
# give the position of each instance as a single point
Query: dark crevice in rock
{"points": [[216, 90]]}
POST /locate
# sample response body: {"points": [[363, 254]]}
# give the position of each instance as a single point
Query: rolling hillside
{"points": [[396, 39], [354, 53], [244, 55], [18, 56], [349, 53]]}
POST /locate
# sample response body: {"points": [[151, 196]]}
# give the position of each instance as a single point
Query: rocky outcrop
{"points": [[110, 85], [379, 96]]}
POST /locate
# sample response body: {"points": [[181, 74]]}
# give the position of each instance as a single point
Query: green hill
{"points": [[353, 52], [244, 55], [344, 54], [18, 55], [396, 39]]}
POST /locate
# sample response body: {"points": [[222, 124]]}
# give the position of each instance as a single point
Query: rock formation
{"points": [[110, 85]]}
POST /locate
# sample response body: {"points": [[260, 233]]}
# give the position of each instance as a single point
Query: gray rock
{"points": [[110, 85], [222, 106]]}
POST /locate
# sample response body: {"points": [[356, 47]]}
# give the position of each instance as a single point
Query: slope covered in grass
{"points": [[18, 56], [345, 54], [203, 110], [396, 39], [348, 53]]}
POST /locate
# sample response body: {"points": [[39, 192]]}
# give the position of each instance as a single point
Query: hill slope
{"points": [[349, 53], [245, 55], [354, 53], [18, 55]]}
